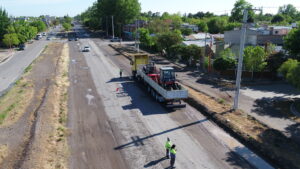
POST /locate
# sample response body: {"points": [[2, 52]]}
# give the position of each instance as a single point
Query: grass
{"points": [[14, 102]]}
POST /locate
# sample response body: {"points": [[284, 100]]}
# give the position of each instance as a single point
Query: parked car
{"points": [[76, 39], [48, 38], [86, 49], [116, 39], [22, 46], [44, 34]]}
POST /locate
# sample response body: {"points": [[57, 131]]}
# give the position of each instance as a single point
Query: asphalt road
{"points": [[13, 68], [115, 124]]}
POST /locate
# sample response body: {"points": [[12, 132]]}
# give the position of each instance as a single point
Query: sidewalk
{"points": [[258, 101]]}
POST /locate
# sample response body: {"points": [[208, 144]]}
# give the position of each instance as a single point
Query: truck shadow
{"points": [[137, 141]]}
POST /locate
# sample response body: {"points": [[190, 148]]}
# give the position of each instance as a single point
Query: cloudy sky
{"points": [[74, 7]]}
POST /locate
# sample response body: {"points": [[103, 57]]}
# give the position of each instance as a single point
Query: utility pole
{"points": [[240, 64], [106, 27], [113, 29]]}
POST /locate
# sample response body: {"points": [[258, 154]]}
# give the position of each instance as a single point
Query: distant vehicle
{"points": [[76, 39], [116, 39], [38, 37], [86, 49], [48, 38], [22, 46], [44, 34], [70, 39]]}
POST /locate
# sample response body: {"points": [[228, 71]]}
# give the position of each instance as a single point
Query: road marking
{"points": [[89, 98]]}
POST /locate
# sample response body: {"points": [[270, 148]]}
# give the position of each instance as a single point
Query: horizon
{"points": [[19, 8]]}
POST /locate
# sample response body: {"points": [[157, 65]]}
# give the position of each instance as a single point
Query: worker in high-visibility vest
{"points": [[173, 155], [168, 146]]}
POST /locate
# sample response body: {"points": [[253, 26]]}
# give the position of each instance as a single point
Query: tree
{"points": [[145, 38], [67, 26], [158, 26], [230, 26], [254, 58], [277, 18], [291, 43], [288, 10], [186, 31], [40, 25], [202, 26], [11, 39], [287, 67], [166, 40], [237, 11], [291, 70], [217, 25], [225, 61], [4, 22]]}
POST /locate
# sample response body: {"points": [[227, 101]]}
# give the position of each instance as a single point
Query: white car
{"points": [[86, 49]]}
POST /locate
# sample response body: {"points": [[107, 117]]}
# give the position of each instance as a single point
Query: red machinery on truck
{"points": [[161, 83]]}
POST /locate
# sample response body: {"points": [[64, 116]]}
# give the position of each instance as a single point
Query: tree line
{"points": [[164, 33], [13, 33]]}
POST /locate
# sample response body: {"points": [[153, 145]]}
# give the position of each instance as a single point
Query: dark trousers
{"points": [[172, 162], [167, 153]]}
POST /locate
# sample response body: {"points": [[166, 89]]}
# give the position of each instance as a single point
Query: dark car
{"points": [[22, 46]]}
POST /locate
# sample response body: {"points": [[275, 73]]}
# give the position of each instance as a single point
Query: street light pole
{"points": [[240, 64]]}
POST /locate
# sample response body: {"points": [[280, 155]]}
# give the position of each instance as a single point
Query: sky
{"points": [[74, 7]]}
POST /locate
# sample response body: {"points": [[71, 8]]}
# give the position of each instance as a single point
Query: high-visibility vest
{"points": [[168, 145], [173, 151]]}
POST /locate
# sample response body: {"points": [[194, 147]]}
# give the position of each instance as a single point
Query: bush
{"points": [[224, 63], [287, 67]]}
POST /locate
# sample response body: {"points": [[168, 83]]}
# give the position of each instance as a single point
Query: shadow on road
{"points": [[154, 162], [139, 141], [234, 158]]}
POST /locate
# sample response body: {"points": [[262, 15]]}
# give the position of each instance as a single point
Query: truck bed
{"points": [[166, 94]]}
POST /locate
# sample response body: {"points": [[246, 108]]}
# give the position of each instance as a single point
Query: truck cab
{"points": [[167, 76]]}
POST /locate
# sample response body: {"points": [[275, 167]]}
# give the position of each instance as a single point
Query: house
{"points": [[257, 36], [195, 28]]}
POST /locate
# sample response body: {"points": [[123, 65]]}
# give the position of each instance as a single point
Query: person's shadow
{"points": [[152, 163]]}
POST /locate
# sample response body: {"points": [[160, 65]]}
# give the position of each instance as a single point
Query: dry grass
{"points": [[14, 103], [57, 148], [3, 153], [269, 142]]}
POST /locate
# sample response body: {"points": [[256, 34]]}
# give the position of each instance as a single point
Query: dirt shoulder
{"points": [[37, 139]]}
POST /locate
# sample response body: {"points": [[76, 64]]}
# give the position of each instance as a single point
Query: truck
{"points": [[159, 82]]}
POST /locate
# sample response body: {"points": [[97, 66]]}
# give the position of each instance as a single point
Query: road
{"points": [[12, 69], [115, 124]]}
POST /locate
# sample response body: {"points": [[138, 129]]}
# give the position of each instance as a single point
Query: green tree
{"points": [[158, 26], [278, 18], [11, 39], [4, 22], [291, 70], [217, 25], [186, 31], [291, 43], [287, 67], [166, 40], [225, 61], [288, 10], [202, 25], [254, 58], [145, 38], [40, 25], [230, 26], [237, 11], [67, 26]]}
